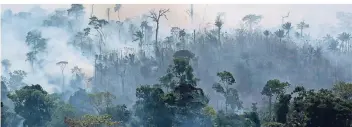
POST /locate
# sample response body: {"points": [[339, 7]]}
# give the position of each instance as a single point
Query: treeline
{"points": [[201, 77]]}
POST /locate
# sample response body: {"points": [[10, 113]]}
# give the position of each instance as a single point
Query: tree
{"points": [[80, 101], [60, 111], [185, 54], [37, 45], [31, 57], [282, 108], [316, 105], [266, 33], [76, 9], [117, 9], [32, 101], [16, 79], [62, 65], [343, 90], [101, 101], [8, 118], [251, 20], [280, 34], [118, 113], [6, 64], [218, 23], [271, 88], [98, 24], [344, 38], [155, 16], [151, 108], [287, 26], [301, 26], [139, 36], [230, 94]]}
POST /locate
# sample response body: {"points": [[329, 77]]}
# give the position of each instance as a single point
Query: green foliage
{"points": [[60, 111], [118, 113], [35, 41], [271, 88], [184, 54], [282, 108], [90, 121], [151, 108], [76, 10], [32, 101], [343, 90], [316, 106], [273, 124], [229, 120], [180, 72], [8, 118], [230, 94], [274, 87], [101, 100]]}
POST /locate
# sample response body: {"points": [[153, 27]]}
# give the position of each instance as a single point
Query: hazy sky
{"points": [[315, 15]]}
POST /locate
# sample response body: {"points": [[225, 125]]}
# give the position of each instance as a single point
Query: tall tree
{"points": [[155, 16], [271, 88], [301, 26], [139, 36], [280, 34], [345, 38], [251, 20], [287, 26], [230, 94], [62, 65], [117, 9], [218, 23], [98, 24]]}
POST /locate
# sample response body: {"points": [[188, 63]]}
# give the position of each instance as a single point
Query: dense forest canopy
{"points": [[72, 68]]}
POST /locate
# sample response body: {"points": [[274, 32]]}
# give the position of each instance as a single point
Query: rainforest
{"points": [[72, 67]]}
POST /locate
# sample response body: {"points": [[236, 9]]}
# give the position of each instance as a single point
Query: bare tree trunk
{"points": [[91, 14], [270, 99]]}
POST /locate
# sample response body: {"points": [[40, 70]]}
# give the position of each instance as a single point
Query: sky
{"points": [[313, 14]]}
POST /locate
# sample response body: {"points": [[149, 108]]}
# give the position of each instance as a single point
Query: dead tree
{"points": [[155, 16]]}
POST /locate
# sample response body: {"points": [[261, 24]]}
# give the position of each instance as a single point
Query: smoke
{"points": [[14, 48]]}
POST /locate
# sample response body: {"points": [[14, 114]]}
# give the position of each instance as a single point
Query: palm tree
{"points": [[251, 20], [280, 34], [287, 26], [117, 9], [218, 24], [266, 33], [302, 25], [139, 36], [345, 38]]}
